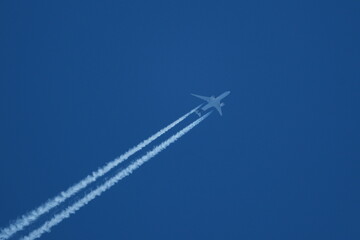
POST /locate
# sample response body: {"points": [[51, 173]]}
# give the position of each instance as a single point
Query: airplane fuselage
{"points": [[212, 101], [215, 101]]}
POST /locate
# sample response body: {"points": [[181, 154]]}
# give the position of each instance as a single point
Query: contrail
{"points": [[30, 217], [46, 227]]}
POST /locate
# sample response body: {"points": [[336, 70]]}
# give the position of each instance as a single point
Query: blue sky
{"points": [[81, 82]]}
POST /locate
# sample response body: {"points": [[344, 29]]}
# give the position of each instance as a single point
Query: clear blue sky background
{"points": [[83, 81]]}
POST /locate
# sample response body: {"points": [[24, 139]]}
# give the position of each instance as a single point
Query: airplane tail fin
{"points": [[198, 113]]}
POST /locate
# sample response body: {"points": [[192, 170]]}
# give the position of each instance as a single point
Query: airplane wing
{"points": [[218, 108], [202, 97]]}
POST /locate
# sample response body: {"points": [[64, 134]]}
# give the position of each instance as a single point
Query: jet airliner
{"points": [[212, 102]]}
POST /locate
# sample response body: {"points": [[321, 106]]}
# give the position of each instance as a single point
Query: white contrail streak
{"points": [[46, 227], [30, 217]]}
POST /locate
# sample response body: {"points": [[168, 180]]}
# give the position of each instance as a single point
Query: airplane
{"points": [[212, 102]]}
